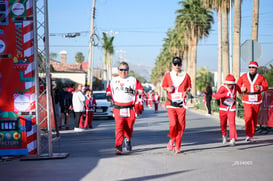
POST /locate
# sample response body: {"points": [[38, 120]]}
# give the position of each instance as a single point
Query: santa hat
{"points": [[253, 64], [230, 79]]}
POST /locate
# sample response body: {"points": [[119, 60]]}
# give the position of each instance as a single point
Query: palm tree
{"points": [[222, 7], [237, 37], [79, 58], [108, 52], [255, 20], [197, 20]]}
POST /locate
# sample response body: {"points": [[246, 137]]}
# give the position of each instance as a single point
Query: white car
{"points": [[103, 108]]}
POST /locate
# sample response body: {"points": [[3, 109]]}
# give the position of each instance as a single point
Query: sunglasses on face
{"points": [[124, 70], [179, 64], [251, 67]]}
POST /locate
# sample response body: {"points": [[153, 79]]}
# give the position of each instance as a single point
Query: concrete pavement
{"points": [[204, 157]]}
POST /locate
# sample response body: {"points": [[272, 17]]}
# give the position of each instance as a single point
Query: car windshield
{"points": [[99, 95]]}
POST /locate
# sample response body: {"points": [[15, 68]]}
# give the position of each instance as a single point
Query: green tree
{"points": [[53, 55], [197, 19], [108, 52], [137, 76], [203, 76], [222, 7], [79, 58], [269, 76]]}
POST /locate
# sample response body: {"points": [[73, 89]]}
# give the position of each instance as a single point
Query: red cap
{"points": [[253, 64], [230, 79]]}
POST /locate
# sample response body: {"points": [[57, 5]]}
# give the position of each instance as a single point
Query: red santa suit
{"points": [[156, 101], [252, 98], [124, 101], [150, 99], [175, 101], [228, 106], [138, 104], [90, 104]]}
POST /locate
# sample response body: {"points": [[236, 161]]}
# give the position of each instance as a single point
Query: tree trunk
{"points": [[255, 20], [219, 68], [105, 67], [237, 37], [193, 57], [225, 44]]}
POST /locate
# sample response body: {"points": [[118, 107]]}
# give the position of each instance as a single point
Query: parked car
{"points": [[103, 108]]}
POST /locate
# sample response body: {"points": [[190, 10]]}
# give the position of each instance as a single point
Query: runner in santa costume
{"points": [[177, 83], [252, 84], [150, 98], [156, 101], [227, 94], [123, 90]]}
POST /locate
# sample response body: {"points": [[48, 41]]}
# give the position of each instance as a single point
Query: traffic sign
{"points": [[251, 50]]}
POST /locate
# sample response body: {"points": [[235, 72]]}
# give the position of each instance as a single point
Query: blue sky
{"points": [[139, 28]]}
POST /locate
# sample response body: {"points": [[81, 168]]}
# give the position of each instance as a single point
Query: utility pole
{"points": [[90, 54]]}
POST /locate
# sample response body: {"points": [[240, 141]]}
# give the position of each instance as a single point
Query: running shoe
{"points": [[128, 145], [119, 150], [170, 145], [177, 151], [232, 142], [224, 139]]}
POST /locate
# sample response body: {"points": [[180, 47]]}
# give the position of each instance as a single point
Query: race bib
{"points": [[229, 102], [124, 112], [252, 98], [177, 97]]}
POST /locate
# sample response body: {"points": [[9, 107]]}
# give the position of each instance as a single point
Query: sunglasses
{"points": [[124, 70], [251, 67], [179, 64]]}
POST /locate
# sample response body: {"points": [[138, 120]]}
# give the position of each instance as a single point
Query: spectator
{"points": [[208, 97], [78, 101], [65, 104]]}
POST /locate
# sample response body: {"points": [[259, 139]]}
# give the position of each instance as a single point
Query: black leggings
{"points": [[78, 117], [208, 105]]}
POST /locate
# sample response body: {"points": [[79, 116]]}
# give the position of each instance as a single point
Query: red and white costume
{"points": [[156, 101], [181, 82], [90, 104], [123, 110], [139, 104], [252, 98], [150, 99], [228, 106]]}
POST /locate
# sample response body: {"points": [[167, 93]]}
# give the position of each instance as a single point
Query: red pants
{"points": [[156, 107], [251, 118], [230, 116], [177, 124], [124, 126], [88, 119], [150, 102]]}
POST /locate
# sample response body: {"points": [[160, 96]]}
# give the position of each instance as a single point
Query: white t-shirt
{"points": [[78, 101]]}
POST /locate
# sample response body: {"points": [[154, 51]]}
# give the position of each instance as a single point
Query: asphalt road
{"points": [[92, 154]]}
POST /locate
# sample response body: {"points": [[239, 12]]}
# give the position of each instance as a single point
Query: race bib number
{"points": [[177, 97], [252, 98], [124, 112], [229, 102]]}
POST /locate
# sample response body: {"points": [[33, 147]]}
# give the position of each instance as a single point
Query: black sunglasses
{"points": [[251, 67], [124, 70], [179, 64]]}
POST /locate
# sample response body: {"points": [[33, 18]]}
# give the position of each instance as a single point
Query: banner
{"points": [[266, 110], [17, 86]]}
